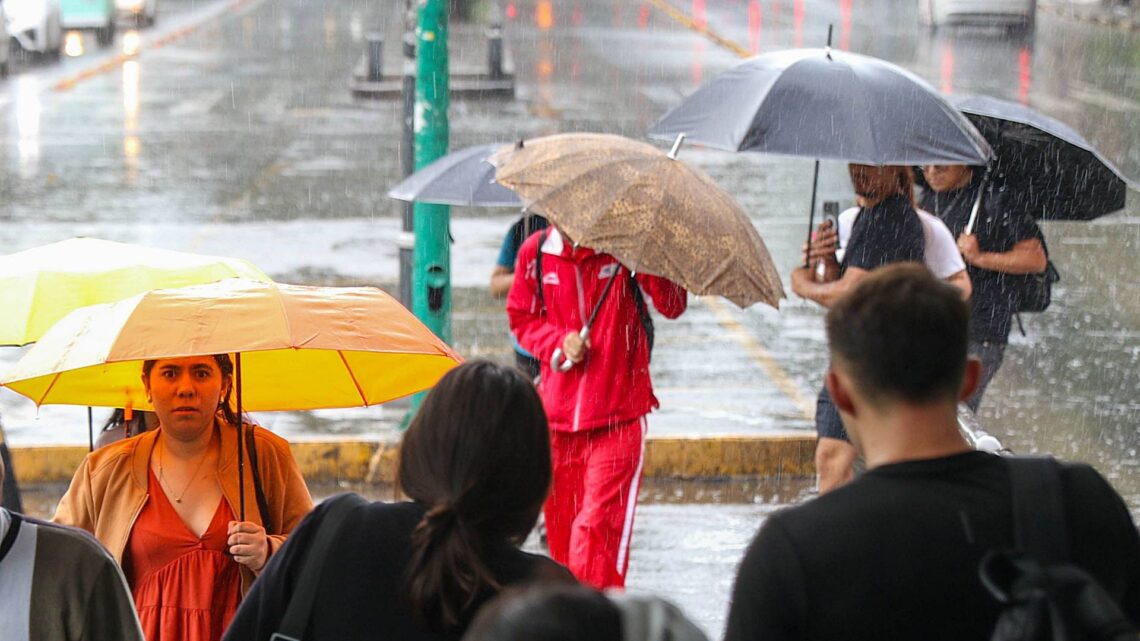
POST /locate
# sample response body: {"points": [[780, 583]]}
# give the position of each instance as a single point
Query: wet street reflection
{"points": [[233, 131]]}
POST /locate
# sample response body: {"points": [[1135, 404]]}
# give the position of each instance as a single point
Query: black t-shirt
{"points": [[894, 554], [998, 229], [889, 232], [361, 591]]}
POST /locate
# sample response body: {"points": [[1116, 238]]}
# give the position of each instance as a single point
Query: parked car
{"points": [[97, 15], [3, 38], [1012, 14], [143, 12], [36, 25]]}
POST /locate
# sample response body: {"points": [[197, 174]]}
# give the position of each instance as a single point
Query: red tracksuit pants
{"points": [[589, 514]]}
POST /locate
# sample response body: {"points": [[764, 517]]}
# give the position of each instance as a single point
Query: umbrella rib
{"points": [[352, 375], [47, 391]]}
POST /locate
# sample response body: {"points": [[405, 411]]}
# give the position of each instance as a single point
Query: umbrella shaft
{"points": [[598, 305], [811, 210], [241, 439]]}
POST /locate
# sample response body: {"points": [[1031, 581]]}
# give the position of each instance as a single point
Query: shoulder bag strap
{"points": [[258, 488], [1038, 509], [300, 606]]}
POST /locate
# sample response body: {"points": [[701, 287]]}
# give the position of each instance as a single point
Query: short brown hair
{"points": [[902, 334]]}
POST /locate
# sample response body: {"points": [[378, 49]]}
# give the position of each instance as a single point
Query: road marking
{"points": [[761, 356], [752, 346], [107, 66], [702, 29]]}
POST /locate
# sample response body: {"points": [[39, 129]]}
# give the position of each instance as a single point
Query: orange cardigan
{"points": [[110, 488]]}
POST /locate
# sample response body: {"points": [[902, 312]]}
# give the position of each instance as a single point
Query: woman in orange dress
{"points": [[165, 502]]}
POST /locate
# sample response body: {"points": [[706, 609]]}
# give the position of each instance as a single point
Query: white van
{"points": [[1013, 14]]}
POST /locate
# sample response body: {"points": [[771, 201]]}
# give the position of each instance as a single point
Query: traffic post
{"points": [[431, 273]]}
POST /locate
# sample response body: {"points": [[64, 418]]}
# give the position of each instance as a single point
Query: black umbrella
{"points": [[819, 103], [462, 177], [1049, 170]]}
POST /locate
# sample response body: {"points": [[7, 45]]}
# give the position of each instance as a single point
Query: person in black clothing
{"points": [[888, 230], [1003, 242], [503, 276], [895, 553], [475, 463]]}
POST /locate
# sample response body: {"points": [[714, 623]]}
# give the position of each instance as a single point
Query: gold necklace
{"points": [[162, 476]]}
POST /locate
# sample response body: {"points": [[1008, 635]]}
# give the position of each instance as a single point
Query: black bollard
{"points": [[495, 52], [375, 56]]}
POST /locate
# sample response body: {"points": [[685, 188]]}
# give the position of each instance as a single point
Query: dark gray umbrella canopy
{"points": [[835, 105], [462, 177], [1047, 168]]}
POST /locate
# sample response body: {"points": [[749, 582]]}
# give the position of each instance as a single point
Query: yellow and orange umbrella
{"points": [[295, 347], [302, 347]]}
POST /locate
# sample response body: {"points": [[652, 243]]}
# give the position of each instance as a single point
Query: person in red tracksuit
{"points": [[597, 409]]}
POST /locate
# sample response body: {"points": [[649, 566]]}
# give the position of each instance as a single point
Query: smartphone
{"points": [[831, 212]]}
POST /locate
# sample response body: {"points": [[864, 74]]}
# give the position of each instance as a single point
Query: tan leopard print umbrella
{"points": [[649, 210]]}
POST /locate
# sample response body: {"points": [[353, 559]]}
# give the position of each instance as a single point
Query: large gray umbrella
{"points": [[462, 177], [819, 103]]}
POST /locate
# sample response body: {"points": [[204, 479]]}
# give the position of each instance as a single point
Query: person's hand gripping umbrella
{"points": [[559, 361]]}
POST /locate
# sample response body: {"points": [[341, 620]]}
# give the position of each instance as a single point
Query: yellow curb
{"points": [[705, 458], [776, 456]]}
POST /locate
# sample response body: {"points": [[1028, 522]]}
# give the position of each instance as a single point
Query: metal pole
{"points": [[90, 430], [431, 276], [406, 241]]}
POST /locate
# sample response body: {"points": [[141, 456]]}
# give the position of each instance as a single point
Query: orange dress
{"points": [[186, 588]]}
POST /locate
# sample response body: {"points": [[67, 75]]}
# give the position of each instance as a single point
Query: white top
{"points": [[940, 251]]}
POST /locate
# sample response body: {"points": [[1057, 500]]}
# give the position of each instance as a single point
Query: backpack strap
{"points": [[1038, 509], [642, 312], [538, 269], [10, 535], [300, 606]]}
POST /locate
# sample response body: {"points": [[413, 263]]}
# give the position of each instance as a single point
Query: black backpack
{"points": [[1046, 597], [638, 298], [1034, 292]]}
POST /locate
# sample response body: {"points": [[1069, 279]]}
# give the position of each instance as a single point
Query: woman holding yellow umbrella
{"points": [[166, 503], [295, 348]]}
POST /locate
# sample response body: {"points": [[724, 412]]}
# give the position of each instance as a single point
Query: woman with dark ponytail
{"points": [[475, 464]]}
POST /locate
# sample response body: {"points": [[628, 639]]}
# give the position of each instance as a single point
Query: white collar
{"points": [[553, 244], [5, 522]]}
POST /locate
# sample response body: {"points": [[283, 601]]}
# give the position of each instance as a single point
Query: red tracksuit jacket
{"points": [[612, 384]]}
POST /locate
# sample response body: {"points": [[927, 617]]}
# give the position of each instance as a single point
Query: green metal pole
{"points": [[431, 257], [431, 273]]}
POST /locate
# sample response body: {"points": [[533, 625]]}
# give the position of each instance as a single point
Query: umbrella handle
{"points": [[558, 361]]}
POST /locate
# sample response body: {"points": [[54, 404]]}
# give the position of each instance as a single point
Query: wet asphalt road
{"points": [[240, 137]]}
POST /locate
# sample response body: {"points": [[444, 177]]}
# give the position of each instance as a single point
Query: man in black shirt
{"points": [[894, 554], [1003, 242], [887, 230]]}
